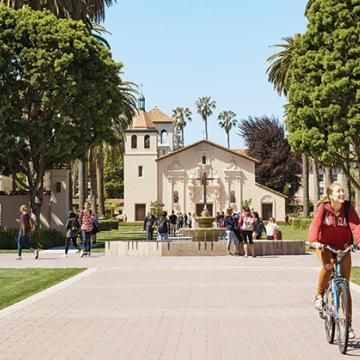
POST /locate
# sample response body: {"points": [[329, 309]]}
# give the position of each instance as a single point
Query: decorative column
{"points": [[239, 196], [170, 194], [183, 193], [227, 191]]}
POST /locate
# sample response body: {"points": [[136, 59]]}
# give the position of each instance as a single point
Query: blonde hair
{"points": [[23, 208], [329, 190]]}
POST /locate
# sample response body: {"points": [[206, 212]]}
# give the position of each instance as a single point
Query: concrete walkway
{"points": [[173, 308]]}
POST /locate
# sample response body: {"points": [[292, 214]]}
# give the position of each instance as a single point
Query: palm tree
{"points": [[86, 10], [181, 116], [279, 73], [204, 108], [227, 120]]}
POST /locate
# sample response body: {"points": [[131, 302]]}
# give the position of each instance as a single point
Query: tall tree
{"points": [[279, 168], [227, 120], [323, 103], [60, 93], [316, 184], [205, 109], [181, 116], [280, 75]]}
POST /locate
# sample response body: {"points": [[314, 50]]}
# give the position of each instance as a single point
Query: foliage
{"points": [[181, 116], [85, 10], [114, 181], [227, 120], [301, 223], [205, 109], [279, 168], [156, 208], [41, 238], [17, 284], [60, 93], [108, 224], [323, 112], [246, 202]]}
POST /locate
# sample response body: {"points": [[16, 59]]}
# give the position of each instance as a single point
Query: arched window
{"points": [[147, 142], [163, 137], [176, 197], [232, 197], [203, 160], [134, 142]]}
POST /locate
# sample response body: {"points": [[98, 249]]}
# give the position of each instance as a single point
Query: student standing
{"points": [[86, 220], [72, 227]]}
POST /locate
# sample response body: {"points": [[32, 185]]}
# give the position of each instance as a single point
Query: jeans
{"points": [[231, 237], [27, 238], [162, 236], [86, 235]]}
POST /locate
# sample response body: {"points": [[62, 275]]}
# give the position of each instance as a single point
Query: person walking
{"points": [[163, 227], [149, 224], [86, 220], [26, 224], [246, 224], [337, 224], [72, 227]]}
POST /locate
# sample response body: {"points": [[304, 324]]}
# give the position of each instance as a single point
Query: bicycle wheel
{"points": [[342, 320], [328, 316]]}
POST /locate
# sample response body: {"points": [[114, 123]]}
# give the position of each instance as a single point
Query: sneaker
{"points": [[82, 253], [229, 253], [36, 254], [318, 302], [237, 254], [18, 258], [351, 333]]}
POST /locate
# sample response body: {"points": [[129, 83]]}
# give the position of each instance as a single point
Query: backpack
{"points": [[162, 226], [248, 223]]}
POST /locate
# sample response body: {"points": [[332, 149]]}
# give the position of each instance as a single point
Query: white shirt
{"points": [[270, 229]]}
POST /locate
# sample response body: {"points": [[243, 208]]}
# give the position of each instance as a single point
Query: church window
{"points": [[134, 142], [176, 197], [232, 197], [163, 137], [140, 171], [203, 160], [147, 142]]}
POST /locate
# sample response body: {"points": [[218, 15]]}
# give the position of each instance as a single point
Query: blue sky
{"points": [[182, 50]]}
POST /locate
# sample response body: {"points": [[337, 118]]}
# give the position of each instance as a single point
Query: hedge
{"points": [[41, 238], [108, 224], [301, 223]]}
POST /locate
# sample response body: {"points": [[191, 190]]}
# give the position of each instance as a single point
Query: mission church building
{"points": [[153, 170]]}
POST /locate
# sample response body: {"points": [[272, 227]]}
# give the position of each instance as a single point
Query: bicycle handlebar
{"points": [[320, 246]]}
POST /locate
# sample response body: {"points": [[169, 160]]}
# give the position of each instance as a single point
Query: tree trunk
{"points": [[100, 181], [206, 130], [70, 190], [305, 184], [93, 182], [81, 186], [328, 176], [228, 139], [182, 137], [316, 189]]}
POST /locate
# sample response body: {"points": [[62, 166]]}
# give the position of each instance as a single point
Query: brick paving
{"points": [[174, 308]]}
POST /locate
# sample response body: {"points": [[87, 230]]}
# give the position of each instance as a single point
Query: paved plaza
{"points": [[172, 308]]}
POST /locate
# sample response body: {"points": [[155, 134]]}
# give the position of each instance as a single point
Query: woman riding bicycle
{"points": [[334, 223]]}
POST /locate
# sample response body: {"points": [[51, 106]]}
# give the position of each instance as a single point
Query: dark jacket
{"points": [[149, 222], [72, 227]]}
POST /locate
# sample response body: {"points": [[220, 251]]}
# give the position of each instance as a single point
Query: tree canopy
{"points": [[323, 111], [279, 168], [60, 93]]}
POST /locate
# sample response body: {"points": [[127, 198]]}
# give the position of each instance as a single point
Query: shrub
{"points": [[301, 223], [108, 224], [41, 238]]}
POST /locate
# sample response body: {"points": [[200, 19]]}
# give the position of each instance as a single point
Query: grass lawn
{"points": [[136, 233], [355, 275], [18, 284]]}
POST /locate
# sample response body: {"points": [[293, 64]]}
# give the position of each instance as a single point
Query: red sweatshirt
{"points": [[333, 230]]}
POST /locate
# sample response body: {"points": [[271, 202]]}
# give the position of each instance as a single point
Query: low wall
{"points": [[190, 248]]}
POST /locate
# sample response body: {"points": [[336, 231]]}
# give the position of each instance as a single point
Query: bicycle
{"points": [[335, 310]]}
